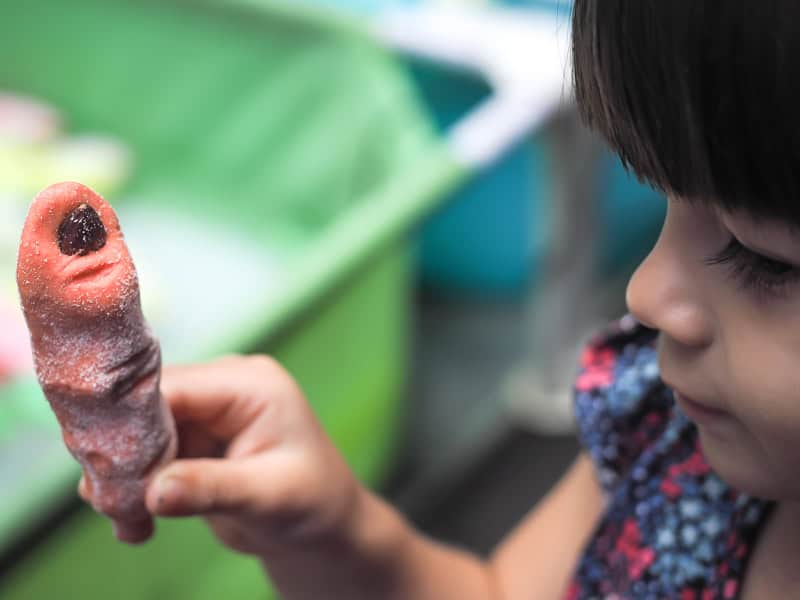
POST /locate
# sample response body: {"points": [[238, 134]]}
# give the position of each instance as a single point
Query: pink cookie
{"points": [[95, 357]]}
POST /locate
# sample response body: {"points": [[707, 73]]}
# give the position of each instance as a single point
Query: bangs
{"points": [[700, 98]]}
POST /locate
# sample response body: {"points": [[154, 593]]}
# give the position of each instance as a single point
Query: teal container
{"points": [[631, 214], [493, 236], [488, 239]]}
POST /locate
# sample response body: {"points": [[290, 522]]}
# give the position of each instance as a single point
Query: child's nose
{"points": [[663, 294]]}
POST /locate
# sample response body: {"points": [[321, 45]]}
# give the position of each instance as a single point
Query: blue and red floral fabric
{"points": [[672, 528]]}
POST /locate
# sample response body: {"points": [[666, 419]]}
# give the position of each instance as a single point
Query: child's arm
{"points": [[538, 558], [278, 489], [384, 558]]}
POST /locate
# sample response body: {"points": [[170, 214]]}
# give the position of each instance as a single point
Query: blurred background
{"points": [[395, 198]]}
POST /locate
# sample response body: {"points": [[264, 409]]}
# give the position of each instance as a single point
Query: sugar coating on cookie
{"points": [[96, 359]]}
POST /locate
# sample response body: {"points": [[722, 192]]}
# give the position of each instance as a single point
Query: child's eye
{"points": [[754, 271]]}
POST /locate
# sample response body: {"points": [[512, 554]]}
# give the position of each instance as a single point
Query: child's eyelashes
{"points": [[753, 271]]}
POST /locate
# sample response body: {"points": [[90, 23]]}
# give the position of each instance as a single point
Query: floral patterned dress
{"points": [[672, 528]]}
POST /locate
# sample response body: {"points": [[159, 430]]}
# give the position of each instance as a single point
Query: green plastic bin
{"points": [[300, 134]]}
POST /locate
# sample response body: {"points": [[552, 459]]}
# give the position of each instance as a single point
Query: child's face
{"points": [[730, 339]]}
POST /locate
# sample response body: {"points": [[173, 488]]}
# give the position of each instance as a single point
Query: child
{"points": [[689, 410]]}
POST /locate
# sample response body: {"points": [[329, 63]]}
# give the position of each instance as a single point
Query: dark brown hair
{"points": [[701, 98]]}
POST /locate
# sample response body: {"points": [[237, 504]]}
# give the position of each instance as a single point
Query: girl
{"points": [[689, 410]]}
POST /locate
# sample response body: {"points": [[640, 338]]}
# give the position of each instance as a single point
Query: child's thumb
{"points": [[199, 487]]}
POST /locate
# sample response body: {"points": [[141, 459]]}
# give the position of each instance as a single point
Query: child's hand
{"points": [[254, 461], [252, 458]]}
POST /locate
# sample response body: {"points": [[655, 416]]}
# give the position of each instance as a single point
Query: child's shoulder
{"points": [[621, 405]]}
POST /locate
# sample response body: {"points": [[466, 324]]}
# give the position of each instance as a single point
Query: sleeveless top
{"points": [[672, 528]]}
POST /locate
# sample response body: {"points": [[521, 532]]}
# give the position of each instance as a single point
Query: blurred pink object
{"points": [[15, 345], [26, 120]]}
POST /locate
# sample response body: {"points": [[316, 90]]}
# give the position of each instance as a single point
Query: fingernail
{"points": [[169, 491]]}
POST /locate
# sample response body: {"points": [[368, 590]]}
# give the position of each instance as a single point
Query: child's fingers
{"points": [[223, 396], [198, 392], [194, 441], [210, 486], [83, 490]]}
